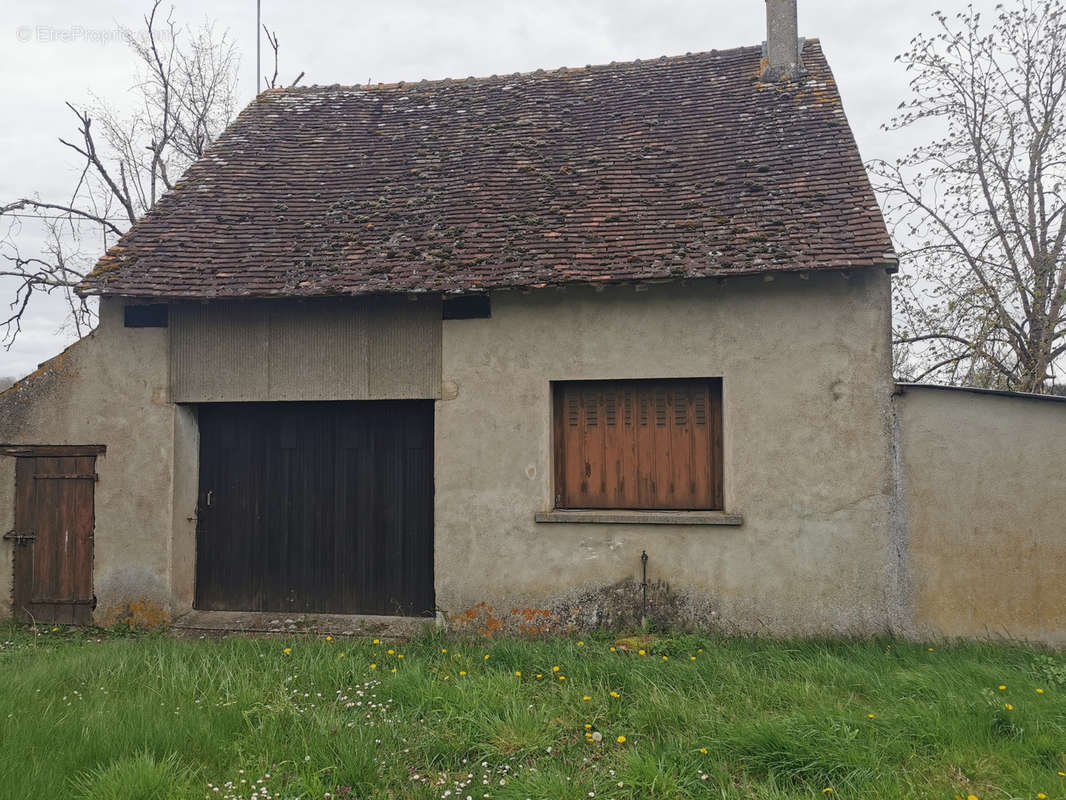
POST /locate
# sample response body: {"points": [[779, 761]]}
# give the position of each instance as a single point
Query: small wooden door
{"points": [[316, 507], [53, 538]]}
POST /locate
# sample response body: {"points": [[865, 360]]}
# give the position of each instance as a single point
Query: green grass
{"points": [[108, 717]]}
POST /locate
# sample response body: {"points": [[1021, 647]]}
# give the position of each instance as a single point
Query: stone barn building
{"points": [[469, 348]]}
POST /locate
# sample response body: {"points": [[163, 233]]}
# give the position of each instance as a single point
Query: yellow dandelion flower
{"points": [[586, 697], [518, 673], [972, 797], [562, 677], [615, 694], [555, 669], [1062, 774], [373, 666], [588, 725], [1041, 796], [580, 643], [390, 651], [444, 649], [700, 650], [612, 649], [462, 672], [621, 740], [376, 641], [869, 716], [329, 638], [341, 655], [692, 658], [1039, 691], [640, 653], [393, 669], [287, 650], [400, 655], [931, 650], [539, 676], [827, 790], [666, 658], [703, 750], [1003, 687], [1008, 706], [486, 656]]}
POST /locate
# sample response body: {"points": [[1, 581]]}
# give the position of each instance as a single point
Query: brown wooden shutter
{"points": [[643, 444]]}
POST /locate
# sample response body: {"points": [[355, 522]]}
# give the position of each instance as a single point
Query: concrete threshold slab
{"points": [[216, 623]]}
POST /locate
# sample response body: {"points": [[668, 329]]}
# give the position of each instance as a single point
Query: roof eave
{"points": [[90, 288]]}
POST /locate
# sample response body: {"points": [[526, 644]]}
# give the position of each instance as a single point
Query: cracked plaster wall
{"points": [[985, 483], [806, 368], [109, 388]]}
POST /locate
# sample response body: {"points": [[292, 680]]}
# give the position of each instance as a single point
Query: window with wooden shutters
{"points": [[639, 444]]}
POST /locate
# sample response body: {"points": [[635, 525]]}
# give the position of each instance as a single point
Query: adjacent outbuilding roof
{"points": [[683, 167]]}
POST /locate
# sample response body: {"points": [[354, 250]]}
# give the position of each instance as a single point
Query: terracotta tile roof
{"points": [[670, 168]]}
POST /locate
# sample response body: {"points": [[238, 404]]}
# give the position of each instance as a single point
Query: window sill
{"points": [[641, 517]]}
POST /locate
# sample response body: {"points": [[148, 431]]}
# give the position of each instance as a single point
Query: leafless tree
{"points": [[186, 94], [979, 213]]}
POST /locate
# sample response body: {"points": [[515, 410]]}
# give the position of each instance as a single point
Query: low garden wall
{"points": [[984, 497]]}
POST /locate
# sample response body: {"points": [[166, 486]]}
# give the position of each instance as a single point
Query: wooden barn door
{"points": [[316, 507], [53, 537]]}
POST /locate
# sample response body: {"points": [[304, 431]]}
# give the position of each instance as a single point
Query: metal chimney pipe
{"points": [[782, 61]]}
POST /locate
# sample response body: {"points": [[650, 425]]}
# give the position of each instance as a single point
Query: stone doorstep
{"points": [[272, 623]]}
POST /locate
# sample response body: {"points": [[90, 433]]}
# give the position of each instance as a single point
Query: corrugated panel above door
{"points": [[379, 348]]}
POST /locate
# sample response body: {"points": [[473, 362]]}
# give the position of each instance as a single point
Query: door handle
{"points": [[209, 501]]}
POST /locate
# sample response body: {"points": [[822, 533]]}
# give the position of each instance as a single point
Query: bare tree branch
{"points": [[979, 213], [272, 82], [272, 38], [186, 95]]}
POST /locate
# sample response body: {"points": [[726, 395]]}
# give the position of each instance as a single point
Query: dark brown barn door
{"points": [[316, 507], [53, 539]]}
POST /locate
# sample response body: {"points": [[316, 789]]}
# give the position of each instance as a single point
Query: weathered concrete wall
{"points": [[816, 451], [110, 389], [985, 501], [7, 522], [806, 370], [379, 348], [186, 487]]}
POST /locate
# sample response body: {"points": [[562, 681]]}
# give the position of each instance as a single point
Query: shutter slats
{"points": [[643, 444]]}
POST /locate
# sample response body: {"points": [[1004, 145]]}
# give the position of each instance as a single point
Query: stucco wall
{"points": [[7, 522], [814, 448], [370, 348], [110, 389], [186, 489], [985, 500], [808, 458]]}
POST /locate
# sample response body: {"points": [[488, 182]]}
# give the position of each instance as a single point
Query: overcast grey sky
{"points": [[53, 51]]}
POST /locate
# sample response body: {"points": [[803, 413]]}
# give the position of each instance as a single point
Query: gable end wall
{"points": [[805, 366]]}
